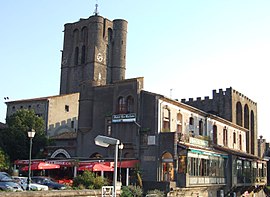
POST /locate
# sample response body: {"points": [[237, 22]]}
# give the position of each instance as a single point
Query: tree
{"points": [[4, 161], [14, 139]]}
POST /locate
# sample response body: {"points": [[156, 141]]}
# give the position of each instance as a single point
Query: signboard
{"points": [[124, 118], [197, 141], [151, 140]]}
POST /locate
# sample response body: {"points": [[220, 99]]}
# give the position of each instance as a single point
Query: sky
{"points": [[182, 48]]}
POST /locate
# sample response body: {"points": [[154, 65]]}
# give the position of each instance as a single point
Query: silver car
{"points": [[7, 183], [33, 186]]}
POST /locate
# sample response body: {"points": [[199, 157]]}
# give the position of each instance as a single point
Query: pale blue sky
{"points": [[191, 46]]}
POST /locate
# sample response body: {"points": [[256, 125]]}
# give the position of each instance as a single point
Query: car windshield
{"points": [[5, 177]]}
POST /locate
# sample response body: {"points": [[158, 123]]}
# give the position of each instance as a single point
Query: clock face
{"points": [[99, 57]]}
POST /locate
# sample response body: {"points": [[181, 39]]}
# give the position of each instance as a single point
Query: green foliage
{"points": [[156, 193], [131, 191], [126, 192], [14, 139], [4, 161], [89, 180]]}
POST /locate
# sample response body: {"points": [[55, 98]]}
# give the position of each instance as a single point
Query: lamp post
{"points": [[121, 146], [105, 141], [31, 135]]}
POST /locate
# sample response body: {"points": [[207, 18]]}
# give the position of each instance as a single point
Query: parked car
{"points": [[48, 181], [7, 183], [33, 186]]}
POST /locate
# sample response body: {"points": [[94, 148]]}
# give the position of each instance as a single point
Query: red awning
{"points": [[96, 167], [125, 164], [41, 166]]}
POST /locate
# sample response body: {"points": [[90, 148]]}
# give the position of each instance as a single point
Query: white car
{"points": [[33, 186]]}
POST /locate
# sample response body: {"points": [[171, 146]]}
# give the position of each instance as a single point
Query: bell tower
{"points": [[94, 51]]}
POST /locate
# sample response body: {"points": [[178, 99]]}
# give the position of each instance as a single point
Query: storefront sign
{"points": [[197, 141], [124, 118]]}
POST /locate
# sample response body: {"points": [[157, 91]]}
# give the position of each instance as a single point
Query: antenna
{"points": [[96, 9]]}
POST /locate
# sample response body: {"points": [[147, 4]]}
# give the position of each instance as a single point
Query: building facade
{"points": [[60, 115], [235, 107], [197, 147]]}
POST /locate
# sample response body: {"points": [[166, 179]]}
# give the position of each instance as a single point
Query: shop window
{"points": [[182, 164]]}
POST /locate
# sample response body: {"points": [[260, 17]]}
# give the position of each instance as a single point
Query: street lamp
{"points": [[121, 146], [105, 141], [31, 135]]}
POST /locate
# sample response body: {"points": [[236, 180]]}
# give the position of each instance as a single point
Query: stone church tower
{"points": [[94, 51]]}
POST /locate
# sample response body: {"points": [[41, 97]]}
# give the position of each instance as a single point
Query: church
{"points": [[206, 147]]}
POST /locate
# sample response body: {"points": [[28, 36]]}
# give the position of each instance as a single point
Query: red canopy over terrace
{"points": [[95, 167], [41, 166]]}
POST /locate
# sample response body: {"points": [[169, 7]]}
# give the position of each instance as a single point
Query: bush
{"points": [[126, 192], [89, 180], [156, 193], [131, 191]]}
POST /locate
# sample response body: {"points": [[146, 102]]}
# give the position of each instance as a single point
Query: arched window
{"points": [[76, 56], [130, 104], [84, 34], [215, 134], [121, 105], [239, 114], [246, 116], [234, 137], [167, 167], [96, 155], [166, 120], [83, 55], [191, 121], [76, 37], [200, 127], [110, 34], [225, 137], [179, 123]]}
